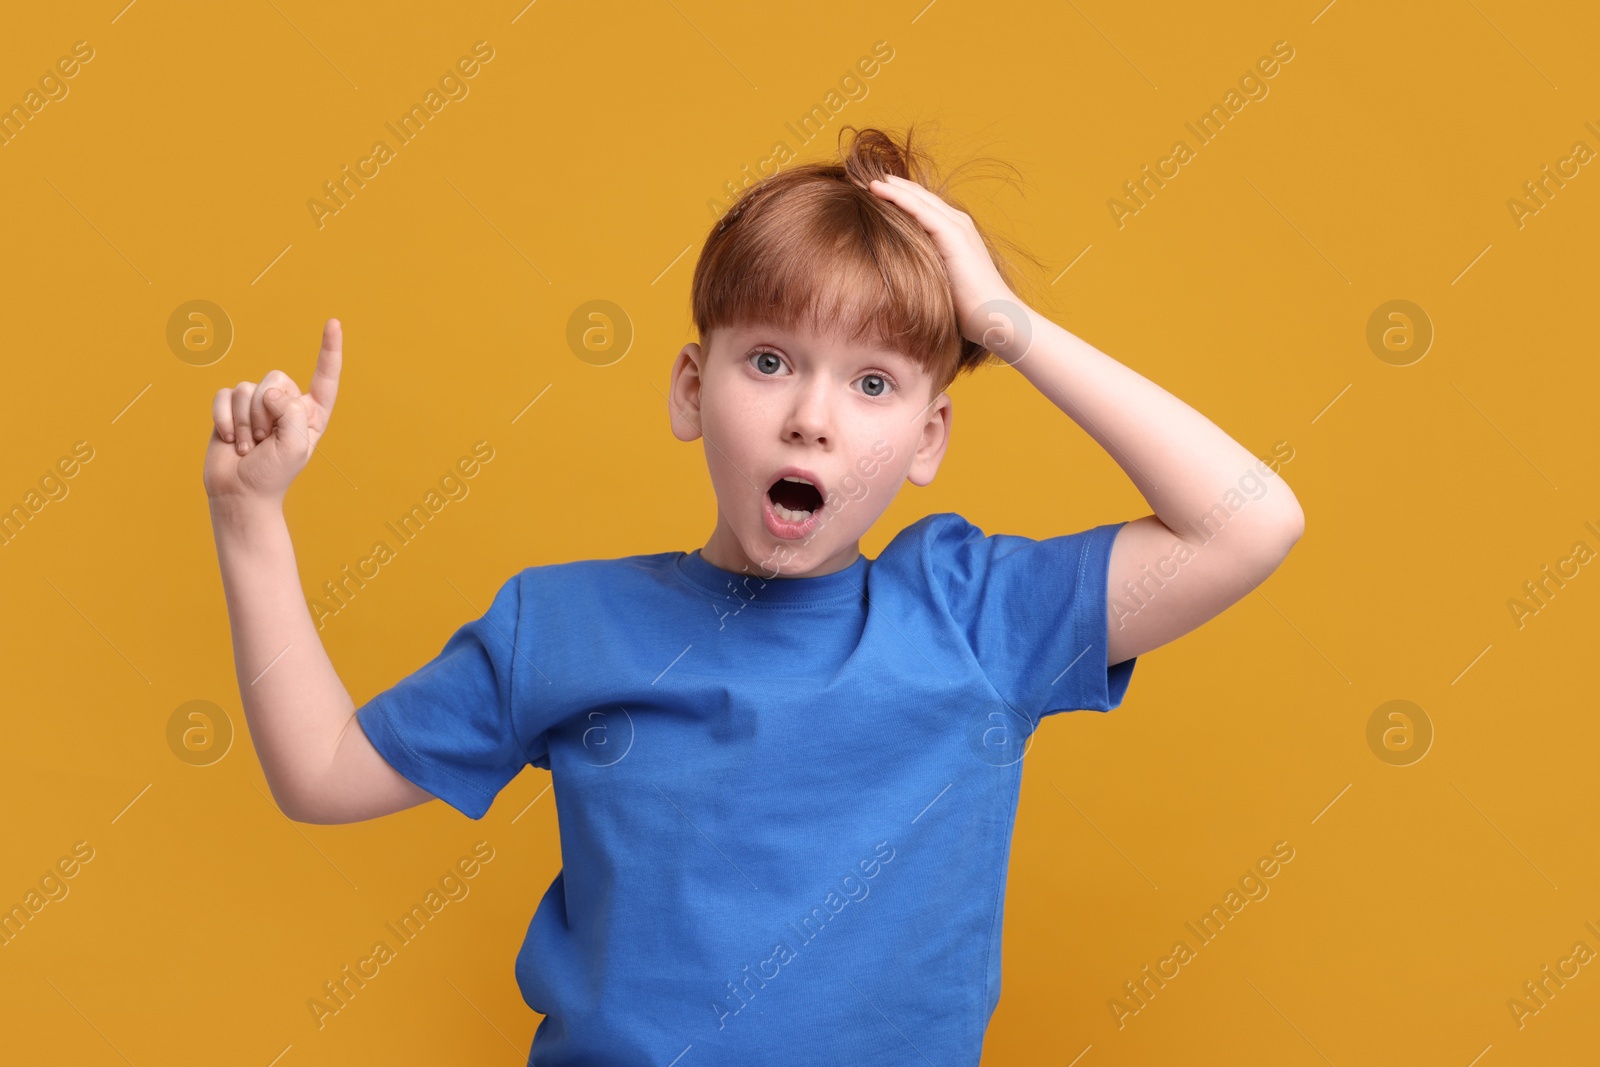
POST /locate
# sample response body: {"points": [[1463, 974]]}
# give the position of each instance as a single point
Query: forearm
{"points": [[1184, 464], [294, 702]]}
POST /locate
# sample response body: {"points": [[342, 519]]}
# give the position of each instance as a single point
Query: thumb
{"points": [[289, 420]]}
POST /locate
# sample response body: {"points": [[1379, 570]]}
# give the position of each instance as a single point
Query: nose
{"points": [[810, 417]]}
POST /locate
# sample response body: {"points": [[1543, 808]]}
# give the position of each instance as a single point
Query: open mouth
{"points": [[794, 499]]}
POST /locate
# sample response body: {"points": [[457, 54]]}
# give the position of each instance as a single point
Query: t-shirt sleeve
{"points": [[1033, 611], [450, 727]]}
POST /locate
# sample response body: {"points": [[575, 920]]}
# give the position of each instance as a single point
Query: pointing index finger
{"points": [[325, 379]]}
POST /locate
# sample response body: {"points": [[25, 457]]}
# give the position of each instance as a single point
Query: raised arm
{"points": [[1208, 543], [1223, 519], [318, 763]]}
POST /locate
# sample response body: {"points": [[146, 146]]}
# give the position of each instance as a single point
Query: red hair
{"points": [[814, 245]]}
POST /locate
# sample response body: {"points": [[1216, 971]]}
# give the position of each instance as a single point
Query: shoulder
{"points": [[548, 586], [947, 535], [600, 570], [936, 530], [925, 553], [935, 540], [947, 551]]}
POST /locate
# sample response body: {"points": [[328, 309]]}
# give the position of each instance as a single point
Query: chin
{"points": [[782, 557], [770, 555]]}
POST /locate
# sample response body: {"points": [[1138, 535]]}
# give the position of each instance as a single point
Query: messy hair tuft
{"points": [[813, 245]]}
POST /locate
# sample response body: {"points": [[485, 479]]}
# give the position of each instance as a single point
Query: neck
{"points": [[797, 559]]}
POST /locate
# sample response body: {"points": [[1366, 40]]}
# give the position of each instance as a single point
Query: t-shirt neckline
{"points": [[758, 588]]}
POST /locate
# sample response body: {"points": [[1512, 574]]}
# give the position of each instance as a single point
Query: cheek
{"points": [[887, 465], [729, 438], [722, 412], [725, 459]]}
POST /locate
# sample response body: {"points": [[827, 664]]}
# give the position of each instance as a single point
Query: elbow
{"points": [[1281, 526], [310, 812], [1263, 548], [1293, 527], [297, 813], [298, 808], [1281, 537], [305, 817]]}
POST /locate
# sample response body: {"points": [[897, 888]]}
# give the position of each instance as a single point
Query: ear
{"points": [[935, 437], [683, 397]]}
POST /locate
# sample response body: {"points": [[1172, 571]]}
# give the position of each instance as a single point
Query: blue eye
{"points": [[770, 364]]}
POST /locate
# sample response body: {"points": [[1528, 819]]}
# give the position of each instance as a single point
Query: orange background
{"points": [[1423, 892]]}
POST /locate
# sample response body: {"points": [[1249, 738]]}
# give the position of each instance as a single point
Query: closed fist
{"points": [[264, 432]]}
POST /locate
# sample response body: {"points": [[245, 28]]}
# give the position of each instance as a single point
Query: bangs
{"points": [[834, 259], [812, 247]]}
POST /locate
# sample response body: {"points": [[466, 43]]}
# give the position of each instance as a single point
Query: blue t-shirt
{"points": [[785, 804]]}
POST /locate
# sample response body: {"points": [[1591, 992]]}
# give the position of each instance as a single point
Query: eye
{"points": [[876, 384], [769, 362]]}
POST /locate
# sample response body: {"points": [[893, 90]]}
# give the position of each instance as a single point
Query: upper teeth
{"points": [[794, 478]]}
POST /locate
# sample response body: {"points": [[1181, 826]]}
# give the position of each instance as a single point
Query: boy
{"points": [[785, 774]]}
